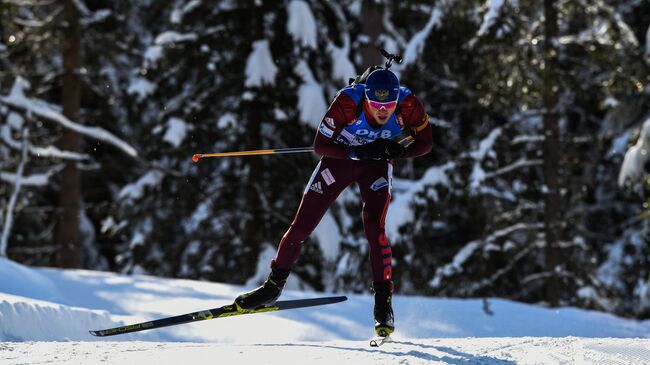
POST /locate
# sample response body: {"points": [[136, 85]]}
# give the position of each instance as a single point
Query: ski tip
{"points": [[95, 333]]}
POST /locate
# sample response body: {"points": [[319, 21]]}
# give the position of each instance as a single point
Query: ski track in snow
{"points": [[488, 351]]}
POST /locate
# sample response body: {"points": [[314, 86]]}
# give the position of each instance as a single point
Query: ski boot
{"points": [[266, 294], [384, 319]]}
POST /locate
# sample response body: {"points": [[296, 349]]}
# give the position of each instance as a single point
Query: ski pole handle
{"points": [[197, 157]]}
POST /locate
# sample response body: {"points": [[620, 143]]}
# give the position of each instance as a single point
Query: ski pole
{"points": [[277, 151]]}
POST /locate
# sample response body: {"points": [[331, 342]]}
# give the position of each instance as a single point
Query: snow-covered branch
{"points": [[95, 17], [527, 139], [493, 10], [17, 101], [9, 216], [416, 44], [49, 151], [34, 180], [473, 288], [633, 169], [521, 163], [455, 266]]}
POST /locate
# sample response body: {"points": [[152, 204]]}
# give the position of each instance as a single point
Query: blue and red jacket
{"points": [[343, 128]]}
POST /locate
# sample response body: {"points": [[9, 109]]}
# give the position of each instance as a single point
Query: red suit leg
{"points": [[329, 179], [374, 180]]}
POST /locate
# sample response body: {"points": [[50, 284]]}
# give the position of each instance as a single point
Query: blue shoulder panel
{"points": [[354, 91], [403, 92]]}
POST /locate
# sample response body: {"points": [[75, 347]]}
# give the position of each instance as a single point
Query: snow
{"points": [[95, 17], [633, 171], [141, 87], [45, 321], [601, 32], [176, 131], [33, 180], [301, 24], [468, 250], [485, 148], [527, 138], [486, 145], [227, 120], [260, 68], [416, 44], [403, 194], [17, 99], [49, 151], [342, 67], [173, 37], [457, 351], [311, 99], [135, 190], [9, 211], [152, 55], [81, 7], [22, 281], [15, 121], [619, 145], [177, 14], [329, 237], [45, 315], [494, 7]]}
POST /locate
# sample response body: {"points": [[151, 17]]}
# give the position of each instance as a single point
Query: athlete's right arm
{"points": [[341, 112]]}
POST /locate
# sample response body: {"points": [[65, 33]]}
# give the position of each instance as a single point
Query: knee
{"points": [[294, 235]]}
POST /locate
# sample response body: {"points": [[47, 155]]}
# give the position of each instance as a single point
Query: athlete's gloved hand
{"points": [[375, 150], [393, 149]]}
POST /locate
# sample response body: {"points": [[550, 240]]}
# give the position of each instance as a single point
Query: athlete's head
{"points": [[382, 91]]}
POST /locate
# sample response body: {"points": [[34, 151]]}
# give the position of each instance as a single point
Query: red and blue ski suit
{"points": [[341, 129]]}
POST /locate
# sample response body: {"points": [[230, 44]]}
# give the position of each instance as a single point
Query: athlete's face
{"points": [[381, 112]]}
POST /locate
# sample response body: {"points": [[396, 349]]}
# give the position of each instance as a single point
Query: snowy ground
{"points": [[488, 351], [45, 315]]}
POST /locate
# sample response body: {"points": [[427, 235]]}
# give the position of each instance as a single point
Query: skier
{"points": [[366, 127]]}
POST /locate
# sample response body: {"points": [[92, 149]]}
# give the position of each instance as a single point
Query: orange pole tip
{"points": [[196, 158]]}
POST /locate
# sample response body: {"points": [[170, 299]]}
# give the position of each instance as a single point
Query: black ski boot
{"points": [[266, 294], [384, 319]]}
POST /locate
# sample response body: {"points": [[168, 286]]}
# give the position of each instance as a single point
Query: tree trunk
{"points": [[372, 14], [253, 227], [551, 154], [67, 233]]}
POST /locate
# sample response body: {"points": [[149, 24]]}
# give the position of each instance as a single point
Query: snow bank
{"points": [[23, 319], [22, 281]]}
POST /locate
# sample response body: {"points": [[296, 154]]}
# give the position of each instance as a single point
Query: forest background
{"points": [[536, 189]]}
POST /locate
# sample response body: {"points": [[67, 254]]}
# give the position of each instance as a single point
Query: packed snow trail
{"points": [[487, 351]]}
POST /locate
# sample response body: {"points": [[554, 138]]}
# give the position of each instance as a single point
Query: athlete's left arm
{"points": [[414, 117]]}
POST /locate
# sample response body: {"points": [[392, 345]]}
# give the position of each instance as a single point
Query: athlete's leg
{"points": [[374, 180], [329, 179]]}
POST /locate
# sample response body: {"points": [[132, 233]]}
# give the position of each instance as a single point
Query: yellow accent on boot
{"points": [[383, 331], [239, 310]]}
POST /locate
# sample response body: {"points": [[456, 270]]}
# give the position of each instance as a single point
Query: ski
{"points": [[380, 340], [219, 312]]}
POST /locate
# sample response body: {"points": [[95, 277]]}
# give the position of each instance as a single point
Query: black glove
{"points": [[375, 150], [393, 149]]}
